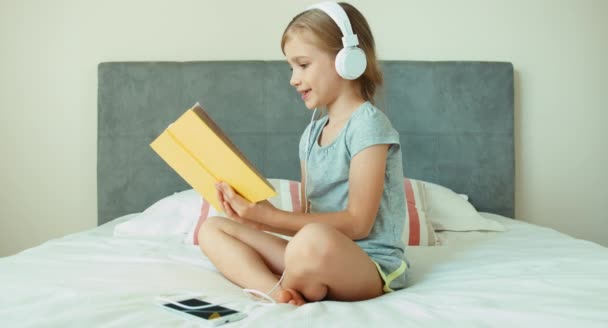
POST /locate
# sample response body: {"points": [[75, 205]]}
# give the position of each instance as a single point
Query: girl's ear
{"points": [[350, 62]]}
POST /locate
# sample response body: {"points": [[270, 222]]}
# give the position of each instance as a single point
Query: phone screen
{"points": [[212, 312]]}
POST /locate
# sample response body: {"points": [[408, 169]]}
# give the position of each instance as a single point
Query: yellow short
{"points": [[388, 279]]}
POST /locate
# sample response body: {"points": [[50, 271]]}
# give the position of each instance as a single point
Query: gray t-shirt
{"points": [[327, 171]]}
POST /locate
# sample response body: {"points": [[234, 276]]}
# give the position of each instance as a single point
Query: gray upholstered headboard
{"points": [[455, 121]]}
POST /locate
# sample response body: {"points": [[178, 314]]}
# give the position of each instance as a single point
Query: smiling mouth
{"points": [[305, 94]]}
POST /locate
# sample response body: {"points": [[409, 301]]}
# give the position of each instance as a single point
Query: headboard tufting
{"points": [[455, 121]]}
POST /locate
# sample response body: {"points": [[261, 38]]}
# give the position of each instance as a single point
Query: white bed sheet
{"points": [[527, 276]]}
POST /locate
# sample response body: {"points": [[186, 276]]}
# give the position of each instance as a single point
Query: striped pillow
{"points": [[287, 199], [416, 232]]}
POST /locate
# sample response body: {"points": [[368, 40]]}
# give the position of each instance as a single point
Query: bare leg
{"points": [[250, 258], [321, 263]]}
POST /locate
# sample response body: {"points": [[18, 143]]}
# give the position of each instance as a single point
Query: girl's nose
{"points": [[294, 81]]}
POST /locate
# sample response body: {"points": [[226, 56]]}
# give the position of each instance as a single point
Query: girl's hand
{"points": [[241, 210]]}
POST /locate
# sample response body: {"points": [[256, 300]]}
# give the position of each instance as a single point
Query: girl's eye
{"points": [[302, 66]]}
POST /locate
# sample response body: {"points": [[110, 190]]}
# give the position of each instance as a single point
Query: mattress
{"points": [[527, 276]]}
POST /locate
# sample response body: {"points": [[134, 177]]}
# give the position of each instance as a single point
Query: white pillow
{"points": [[448, 210], [172, 215], [419, 231], [183, 212], [180, 213]]}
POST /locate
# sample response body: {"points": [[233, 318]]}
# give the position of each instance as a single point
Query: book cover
{"points": [[199, 151]]}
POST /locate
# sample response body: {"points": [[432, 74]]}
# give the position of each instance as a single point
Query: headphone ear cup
{"points": [[350, 63]]}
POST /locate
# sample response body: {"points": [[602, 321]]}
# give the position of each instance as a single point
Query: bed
{"points": [[456, 125]]}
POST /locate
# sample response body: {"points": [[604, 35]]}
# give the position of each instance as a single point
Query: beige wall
{"points": [[50, 50]]}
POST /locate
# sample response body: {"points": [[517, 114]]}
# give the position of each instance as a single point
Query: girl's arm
{"points": [[366, 185]]}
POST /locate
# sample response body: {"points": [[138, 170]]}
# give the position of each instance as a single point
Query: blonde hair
{"points": [[328, 37]]}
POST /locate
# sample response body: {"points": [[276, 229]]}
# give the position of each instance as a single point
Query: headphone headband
{"points": [[350, 61], [337, 13]]}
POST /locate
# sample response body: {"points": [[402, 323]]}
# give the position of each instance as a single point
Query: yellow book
{"points": [[199, 151]]}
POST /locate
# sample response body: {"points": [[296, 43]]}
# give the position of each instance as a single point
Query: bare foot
{"points": [[290, 296]]}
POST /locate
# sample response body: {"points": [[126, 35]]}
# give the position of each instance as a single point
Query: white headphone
{"points": [[350, 61]]}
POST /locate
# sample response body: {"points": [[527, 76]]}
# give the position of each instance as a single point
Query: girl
{"points": [[346, 241]]}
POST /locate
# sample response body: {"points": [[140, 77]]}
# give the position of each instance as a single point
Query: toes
{"points": [[290, 296], [296, 297], [284, 296], [300, 301]]}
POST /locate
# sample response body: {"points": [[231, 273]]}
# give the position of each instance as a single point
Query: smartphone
{"points": [[214, 315]]}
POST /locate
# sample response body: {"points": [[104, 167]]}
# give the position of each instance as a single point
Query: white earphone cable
{"points": [[306, 162], [253, 292], [249, 292], [265, 296]]}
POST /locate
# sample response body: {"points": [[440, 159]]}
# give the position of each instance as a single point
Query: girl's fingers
{"points": [[226, 189], [234, 204], [220, 200], [232, 197], [230, 212], [223, 198], [229, 193], [227, 209]]}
